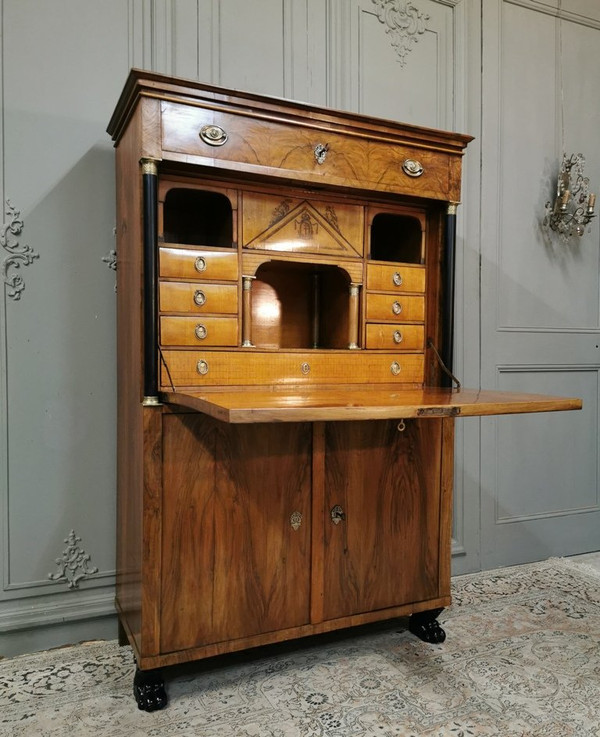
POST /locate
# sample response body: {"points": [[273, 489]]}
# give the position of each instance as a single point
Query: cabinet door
{"points": [[384, 552], [233, 565]]}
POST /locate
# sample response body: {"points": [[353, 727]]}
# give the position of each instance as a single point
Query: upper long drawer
{"points": [[267, 146]]}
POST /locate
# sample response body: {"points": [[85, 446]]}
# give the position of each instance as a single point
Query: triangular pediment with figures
{"points": [[302, 228]]}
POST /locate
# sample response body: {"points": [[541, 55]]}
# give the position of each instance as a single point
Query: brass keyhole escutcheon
{"points": [[199, 297], [295, 520], [202, 367], [337, 514], [305, 368], [396, 308], [397, 336], [201, 332], [397, 278], [200, 264], [395, 368]]}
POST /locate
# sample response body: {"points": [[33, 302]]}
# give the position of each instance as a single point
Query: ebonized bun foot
{"points": [[149, 690], [426, 627]]}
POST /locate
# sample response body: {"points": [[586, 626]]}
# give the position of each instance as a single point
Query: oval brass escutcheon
{"points": [[200, 264], [305, 368], [214, 135], [295, 520], [201, 332], [397, 336], [395, 368], [412, 167], [396, 308], [202, 367], [397, 278], [199, 297]]}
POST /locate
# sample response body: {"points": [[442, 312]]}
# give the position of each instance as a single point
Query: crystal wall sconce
{"points": [[573, 207]]}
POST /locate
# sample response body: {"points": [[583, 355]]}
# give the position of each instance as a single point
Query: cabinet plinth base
{"points": [[149, 690], [426, 627]]}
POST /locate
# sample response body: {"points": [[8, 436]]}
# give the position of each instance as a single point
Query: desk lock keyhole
{"points": [[337, 515]]}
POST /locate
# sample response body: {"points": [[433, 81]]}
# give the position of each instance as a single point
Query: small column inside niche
{"points": [[353, 316], [247, 311], [316, 309]]}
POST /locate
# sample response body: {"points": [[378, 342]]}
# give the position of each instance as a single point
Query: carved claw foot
{"points": [[149, 690], [426, 627]]}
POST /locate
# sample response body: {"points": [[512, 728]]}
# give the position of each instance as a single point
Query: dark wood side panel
{"points": [[129, 371], [233, 566], [387, 481]]}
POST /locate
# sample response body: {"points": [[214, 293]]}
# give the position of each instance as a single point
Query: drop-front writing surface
{"points": [[284, 446]]}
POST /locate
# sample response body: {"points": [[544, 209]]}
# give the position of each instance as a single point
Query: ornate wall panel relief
{"points": [[73, 565], [404, 24], [18, 255]]}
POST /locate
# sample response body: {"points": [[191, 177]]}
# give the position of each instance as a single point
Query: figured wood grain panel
{"points": [[385, 552], [233, 566], [271, 146]]}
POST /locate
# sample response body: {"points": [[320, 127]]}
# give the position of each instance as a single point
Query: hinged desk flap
{"points": [[351, 403]]}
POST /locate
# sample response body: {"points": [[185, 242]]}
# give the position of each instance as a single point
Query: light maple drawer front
{"points": [[395, 278], [260, 144], [188, 263], [198, 297], [400, 337], [233, 368], [197, 331], [395, 307]]}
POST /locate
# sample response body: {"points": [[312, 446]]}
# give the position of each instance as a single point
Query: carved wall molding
{"points": [[404, 24], [73, 563], [17, 255]]}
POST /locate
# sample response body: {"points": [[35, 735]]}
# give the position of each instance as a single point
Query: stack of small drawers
{"points": [[395, 307], [198, 297]]}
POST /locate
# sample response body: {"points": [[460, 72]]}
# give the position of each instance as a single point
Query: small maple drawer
{"points": [[394, 336], [198, 297], [395, 278], [191, 263], [244, 368], [201, 330], [395, 307]]}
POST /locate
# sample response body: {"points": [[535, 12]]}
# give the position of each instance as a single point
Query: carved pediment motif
{"points": [[297, 226]]}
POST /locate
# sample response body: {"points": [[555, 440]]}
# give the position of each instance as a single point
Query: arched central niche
{"points": [[300, 306]]}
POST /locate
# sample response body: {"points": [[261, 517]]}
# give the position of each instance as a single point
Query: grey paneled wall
{"points": [[540, 319], [63, 64]]}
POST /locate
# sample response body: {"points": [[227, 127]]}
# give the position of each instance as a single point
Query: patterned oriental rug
{"points": [[521, 659]]}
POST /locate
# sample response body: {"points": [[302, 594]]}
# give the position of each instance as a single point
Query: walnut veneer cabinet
{"points": [[285, 423]]}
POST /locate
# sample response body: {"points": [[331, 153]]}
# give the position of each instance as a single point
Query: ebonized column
{"points": [[448, 291], [150, 264]]}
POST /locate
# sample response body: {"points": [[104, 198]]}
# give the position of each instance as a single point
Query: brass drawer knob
{"points": [[200, 264], [397, 279], [395, 368], [202, 367], [199, 297], [396, 308], [412, 167], [214, 135], [398, 336], [201, 332]]}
